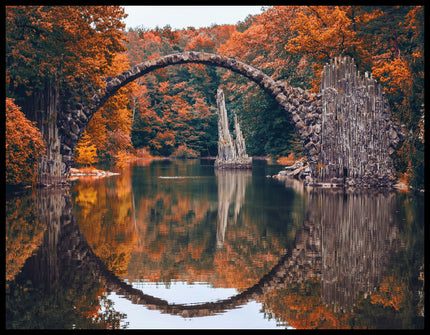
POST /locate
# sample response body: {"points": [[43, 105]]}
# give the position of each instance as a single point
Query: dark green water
{"points": [[176, 244]]}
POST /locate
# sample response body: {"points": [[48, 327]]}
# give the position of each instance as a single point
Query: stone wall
{"points": [[42, 107]]}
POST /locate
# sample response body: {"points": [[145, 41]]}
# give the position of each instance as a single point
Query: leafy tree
{"points": [[175, 105], [325, 32], [60, 45], [86, 153], [119, 141], [24, 146], [109, 130], [399, 66], [184, 152]]}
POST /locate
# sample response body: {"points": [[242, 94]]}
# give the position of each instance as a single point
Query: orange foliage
{"points": [[24, 233], [395, 74], [113, 243], [63, 43], [109, 130], [325, 32], [288, 160], [391, 293], [86, 153], [24, 146], [301, 306]]}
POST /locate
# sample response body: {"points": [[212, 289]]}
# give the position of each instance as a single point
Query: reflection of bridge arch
{"points": [[288, 268], [346, 250]]}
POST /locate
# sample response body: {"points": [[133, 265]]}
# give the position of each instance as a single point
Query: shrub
{"points": [[184, 152], [24, 147]]}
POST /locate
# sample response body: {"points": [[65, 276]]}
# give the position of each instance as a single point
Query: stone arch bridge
{"points": [[346, 129]]}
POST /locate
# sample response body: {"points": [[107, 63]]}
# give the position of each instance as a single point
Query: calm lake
{"points": [[177, 244]]}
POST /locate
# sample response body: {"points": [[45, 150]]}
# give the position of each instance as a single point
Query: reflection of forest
{"points": [[182, 222], [24, 232], [336, 274], [55, 288]]}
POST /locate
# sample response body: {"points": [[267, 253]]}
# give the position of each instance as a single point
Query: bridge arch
{"points": [[347, 132], [295, 101]]}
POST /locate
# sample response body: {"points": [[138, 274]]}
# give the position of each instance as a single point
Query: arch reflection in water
{"points": [[345, 243]]}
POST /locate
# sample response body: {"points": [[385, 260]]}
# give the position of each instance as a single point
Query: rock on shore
{"points": [[92, 172]]}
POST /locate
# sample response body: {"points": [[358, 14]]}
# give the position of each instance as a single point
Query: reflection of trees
{"points": [[231, 190], [56, 288], [182, 220], [175, 221], [104, 211], [24, 232], [335, 275]]}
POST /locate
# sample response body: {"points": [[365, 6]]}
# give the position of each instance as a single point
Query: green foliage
{"points": [[176, 105], [265, 125]]}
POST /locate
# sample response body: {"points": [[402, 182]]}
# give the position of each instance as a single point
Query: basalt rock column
{"points": [[231, 153], [358, 133]]}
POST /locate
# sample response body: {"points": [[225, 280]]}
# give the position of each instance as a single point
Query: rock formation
{"points": [[231, 153], [358, 134]]}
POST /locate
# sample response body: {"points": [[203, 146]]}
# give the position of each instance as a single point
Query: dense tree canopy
{"points": [[175, 106], [60, 44]]}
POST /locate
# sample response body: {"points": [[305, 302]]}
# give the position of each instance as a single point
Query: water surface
{"points": [[176, 244]]}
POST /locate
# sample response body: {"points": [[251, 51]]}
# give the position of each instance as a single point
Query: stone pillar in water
{"points": [[226, 149], [231, 153]]}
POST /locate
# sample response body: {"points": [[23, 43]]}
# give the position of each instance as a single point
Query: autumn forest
{"points": [[166, 215], [172, 111]]}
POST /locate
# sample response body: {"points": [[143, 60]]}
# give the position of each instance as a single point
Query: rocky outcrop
{"points": [[231, 153], [349, 136], [358, 134], [300, 170]]}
